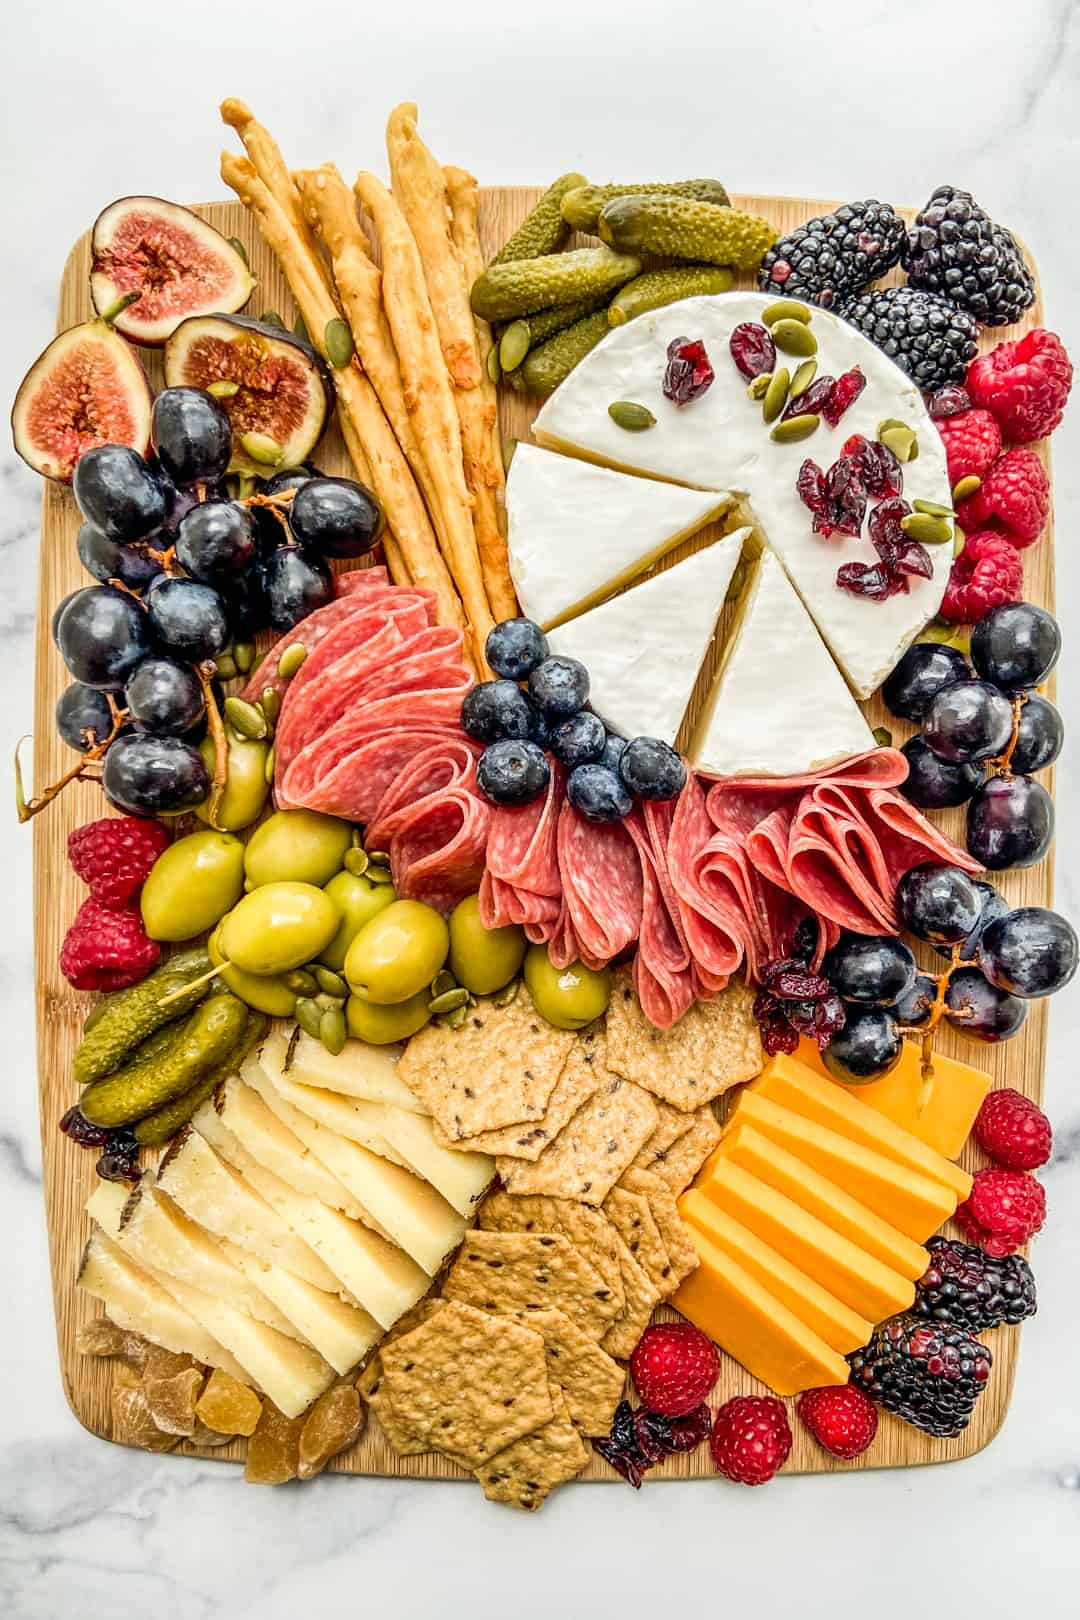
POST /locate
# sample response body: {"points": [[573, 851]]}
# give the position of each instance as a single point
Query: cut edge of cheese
{"points": [[277, 1148], [358, 1070], [341, 1333]]}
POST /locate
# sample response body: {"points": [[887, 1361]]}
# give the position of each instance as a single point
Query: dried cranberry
{"points": [[886, 535], [845, 500], [687, 1433], [911, 558], [820, 1020], [949, 401], [844, 392], [872, 580], [780, 965], [82, 1133], [810, 486], [812, 400], [116, 1165], [792, 985], [766, 1006], [626, 1463], [653, 1432], [623, 1432], [880, 470], [752, 349], [688, 372], [778, 1037]]}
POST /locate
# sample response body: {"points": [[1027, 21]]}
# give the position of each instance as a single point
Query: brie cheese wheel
{"points": [[643, 650], [576, 532], [720, 442], [779, 705]]}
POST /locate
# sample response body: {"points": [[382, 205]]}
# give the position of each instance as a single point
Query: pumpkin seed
{"points": [[356, 862], [775, 396], [442, 982], [959, 542], [309, 1017], [301, 981], [246, 718], [338, 343], [223, 388], [291, 659], [795, 428], [494, 370], [235, 243], [379, 874], [966, 488], [889, 422], [626, 413], [382, 856], [268, 768], [328, 1002], [793, 337], [804, 376], [300, 329], [333, 1031], [225, 664], [786, 309], [934, 509], [755, 389], [455, 1019], [883, 736], [244, 656], [508, 993], [514, 345], [449, 1001], [270, 317], [270, 703], [927, 529], [331, 983], [901, 441], [262, 448]]}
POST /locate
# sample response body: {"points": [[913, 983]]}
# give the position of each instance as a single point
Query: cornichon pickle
{"points": [[581, 207], [544, 230], [543, 369], [683, 228], [508, 290], [129, 1016], [544, 323], [164, 1123], [656, 288], [142, 1087]]}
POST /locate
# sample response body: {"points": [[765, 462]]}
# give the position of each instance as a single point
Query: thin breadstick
{"points": [[488, 479], [385, 466], [271, 169], [399, 572], [428, 393]]}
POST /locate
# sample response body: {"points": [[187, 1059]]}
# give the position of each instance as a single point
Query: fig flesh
{"points": [[177, 264], [275, 388], [87, 389]]}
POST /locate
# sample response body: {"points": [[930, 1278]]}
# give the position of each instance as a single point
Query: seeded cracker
{"points": [[642, 1298], [372, 1386], [630, 1213], [468, 1384], [588, 1377], [529, 1271], [498, 1068], [672, 1124], [588, 1229], [528, 1139], [681, 1250], [714, 1046], [528, 1471], [678, 1167]]}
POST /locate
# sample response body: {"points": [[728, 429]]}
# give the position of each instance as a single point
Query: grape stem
{"points": [[925, 1032], [276, 505], [205, 672], [27, 809], [1000, 765]]}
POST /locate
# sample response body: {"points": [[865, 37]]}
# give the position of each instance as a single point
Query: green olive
{"points": [[379, 1026], [296, 846], [397, 953], [263, 992], [192, 885], [569, 997], [360, 900], [483, 959], [246, 786], [279, 926]]}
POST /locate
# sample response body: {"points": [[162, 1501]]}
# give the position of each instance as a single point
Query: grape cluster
{"points": [[520, 724], [985, 731], [185, 567]]}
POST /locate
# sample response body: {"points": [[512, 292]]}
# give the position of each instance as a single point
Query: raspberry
{"points": [[1013, 1131], [751, 1439], [105, 949], [988, 572], [674, 1367], [1025, 384], [1014, 498], [840, 1418], [972, 443], [1004, 1210], [114, 856]]}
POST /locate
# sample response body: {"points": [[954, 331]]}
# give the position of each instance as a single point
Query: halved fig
{"points": [[275, 387], [177, 263], [85, 390]]}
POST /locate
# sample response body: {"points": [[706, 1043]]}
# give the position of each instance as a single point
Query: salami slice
{"points": [[375, 762], [562, 945], [309, 633], [709, 885], [502, 905], [663, 969], [437, 853], [521, 878], [365, 641], [359, 581], [432, 773], [602, 885]]}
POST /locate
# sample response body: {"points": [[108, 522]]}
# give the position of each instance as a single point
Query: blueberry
{"points": [[913, 1007], [938, 903], [652, 770], [513, 771], [1010, 822], [1029, 952], [925, 668], [515, 647], [870, 968], [495, 710], [1039, 736], [1016, 645], [980, 1009], [614, 748], [560, 687], [868, 1046], [933, 783], [579, 740], [598, 794]]}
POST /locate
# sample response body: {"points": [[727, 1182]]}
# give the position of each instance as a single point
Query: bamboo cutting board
{"points": [[69, 1174]]}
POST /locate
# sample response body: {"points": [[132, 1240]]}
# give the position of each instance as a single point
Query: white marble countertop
{"points": [[884, 98]]}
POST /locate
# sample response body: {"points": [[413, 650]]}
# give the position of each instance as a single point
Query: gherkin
{"points": [[684, 228], [656, 288], [544, 230], [544, 368], [581, 207], [505, 291]]}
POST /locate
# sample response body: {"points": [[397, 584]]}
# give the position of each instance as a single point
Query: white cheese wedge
{"points": [[411, 1213], [358, 1070], [212, 1194], [135, 1301], [643, 650], [576, 532], [271, 1144], [719, 442], [340, 1332], [779, 705]]}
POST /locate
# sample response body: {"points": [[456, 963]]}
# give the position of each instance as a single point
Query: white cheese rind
{"points": [[719, 441], [643, 650]]}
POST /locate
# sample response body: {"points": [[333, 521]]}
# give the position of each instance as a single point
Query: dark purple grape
{"points": [[102, 634], [164, 698], [1029, 952], [933, 783], [1039, 736], [913, 1007], [493, 710], [134, 565], [870, 968], [245, 604], [216, 540], [191, 435], [922, 672], [188, 618], [60, 608], [116, 490], [978, 1008], [991, 906], [578, 740], [294, 584], [938, 903], [1010, 822], [335, 517], [868, 1046], [515, 647], [1015, 646], [271, 530], [967, 722], [149, 776], [83, 717]]}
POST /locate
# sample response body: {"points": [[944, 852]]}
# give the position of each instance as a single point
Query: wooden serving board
{"points": [[69, 1173]]}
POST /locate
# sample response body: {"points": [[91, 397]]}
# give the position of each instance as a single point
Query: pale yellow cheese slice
{"points": [[358, 1070], [278, 1149], [340, 1332]]}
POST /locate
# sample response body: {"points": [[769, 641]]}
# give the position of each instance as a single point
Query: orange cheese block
{"points": [[940, 1115], [791, 1084], [842, 1328], [905, 1198], [864, 1284], [743, 1318]]}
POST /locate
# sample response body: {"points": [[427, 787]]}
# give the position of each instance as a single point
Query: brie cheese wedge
{"points": [[643, 650], [779, 706], [576, 532]]}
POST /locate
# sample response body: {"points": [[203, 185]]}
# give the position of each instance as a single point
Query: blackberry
{"points": [[954, 249], [831, 258], [928, 1373], [928, 338], [969, 1289]]}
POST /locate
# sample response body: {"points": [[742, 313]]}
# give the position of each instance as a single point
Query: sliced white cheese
{"points": [[212, 1194], [779, 705], [358, 1070], [576, 532], [643, 650], [340, 1332], [271, 1144], [135, 1301], [411, 1213]]}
